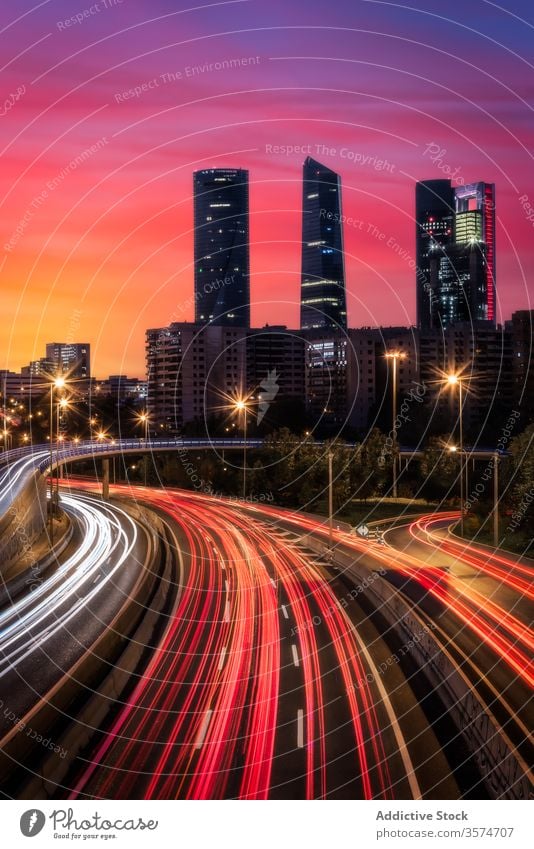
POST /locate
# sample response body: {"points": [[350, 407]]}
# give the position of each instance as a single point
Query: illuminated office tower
{"points": [[323, 302], [222, 273]]}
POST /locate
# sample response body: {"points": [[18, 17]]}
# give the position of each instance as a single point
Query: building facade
{"points": [[323, 299], [521, 328], [70, 358], [479, 198], [192, 371], [221, 245], [455, 253], [434, 222]]}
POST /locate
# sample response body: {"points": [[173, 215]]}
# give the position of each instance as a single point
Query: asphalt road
{"points": [[56, 622], [265, 684]]}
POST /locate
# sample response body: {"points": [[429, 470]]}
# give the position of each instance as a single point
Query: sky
{"points": [[106, 109]]}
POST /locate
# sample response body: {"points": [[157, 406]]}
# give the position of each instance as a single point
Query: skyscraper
{"points": [[322, 303], [458, 284], [72, 358], [455, 253], [480, 198], [222, 272], [434, 221]]}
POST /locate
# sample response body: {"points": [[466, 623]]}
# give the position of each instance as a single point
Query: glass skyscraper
{"points": [[434, 221], [323, 302], [480, 198], [222, 267], [455, 253]]}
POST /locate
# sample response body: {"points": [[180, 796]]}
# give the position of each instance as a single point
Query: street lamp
{"points": [[92, 425], [57, 382], [240, 406], [7, 436], [62, 405], [330, 501], [496, 459], [394, 357], [144, 419], [455, 380]]}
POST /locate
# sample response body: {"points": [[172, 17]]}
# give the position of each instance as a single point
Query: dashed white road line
{"points": [[300, 728], [295, 654], [221, 659], [203, 730], [284, 611]]}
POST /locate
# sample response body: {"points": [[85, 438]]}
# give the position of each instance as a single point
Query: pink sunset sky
{"points": [[97, 249]]}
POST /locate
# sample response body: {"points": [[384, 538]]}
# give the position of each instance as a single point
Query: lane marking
{"points": [[203, 730], [300, 728], [221, 660], [284, 611], [226, 585], [227, 612], [397, 731], [295, 654]]}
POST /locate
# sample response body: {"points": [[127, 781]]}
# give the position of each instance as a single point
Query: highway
{"points": [[264, 685], [48, 629], [478, 600], [273, 677]]}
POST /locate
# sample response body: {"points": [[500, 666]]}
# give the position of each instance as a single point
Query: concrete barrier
{"points": [[89, 692], [24, 519], [504, 773]]}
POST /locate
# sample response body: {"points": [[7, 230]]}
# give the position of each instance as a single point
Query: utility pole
{"points": [[330, 500]]}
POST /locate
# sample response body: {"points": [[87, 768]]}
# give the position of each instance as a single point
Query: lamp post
{"points": [[57, 383], [241, 407], [454, 380], [62, 404], [144, 418], [496, 500], [394, 357], [330, 501], [7, 437]]}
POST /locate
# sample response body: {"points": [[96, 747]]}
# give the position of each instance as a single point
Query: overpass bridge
{"points": [[23, 473]]}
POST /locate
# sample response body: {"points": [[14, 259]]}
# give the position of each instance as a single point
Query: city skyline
{"points": [[267, 419], [322, 297], [438, 201], [98, 215]]}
